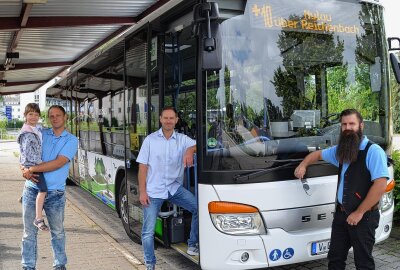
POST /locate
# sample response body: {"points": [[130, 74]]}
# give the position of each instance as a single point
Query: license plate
{"points": [[320, 247]]}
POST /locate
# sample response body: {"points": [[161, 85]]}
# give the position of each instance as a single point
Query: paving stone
{"points": [[94, 246]]}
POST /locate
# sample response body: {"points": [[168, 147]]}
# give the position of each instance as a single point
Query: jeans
{"points": [[54, 207], [182, 198], [361, 237]]}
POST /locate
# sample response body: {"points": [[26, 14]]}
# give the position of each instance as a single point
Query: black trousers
{"points": [[360, 237]]}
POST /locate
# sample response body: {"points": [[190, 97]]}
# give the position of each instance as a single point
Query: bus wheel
{"points": [[123, 206]]}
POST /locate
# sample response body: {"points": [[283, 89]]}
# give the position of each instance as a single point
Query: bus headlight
{"points": [[387, 199], [235, 218]]}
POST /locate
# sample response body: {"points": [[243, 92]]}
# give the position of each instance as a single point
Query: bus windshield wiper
{"points": [[285, 160], [244, 177]]}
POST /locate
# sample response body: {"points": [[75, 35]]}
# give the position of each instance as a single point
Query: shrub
{"points": [[15, 123], [3, 124], [396, 192], [114, 122]]}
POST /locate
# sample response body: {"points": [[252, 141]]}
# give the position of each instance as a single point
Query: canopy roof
{"points": [[41, 39]]}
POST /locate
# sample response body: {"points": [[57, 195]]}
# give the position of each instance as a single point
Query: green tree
{"points": [[44, 118], [304, 53], [3, 124], [106, 123], [395, 93], [15, 123], [114, 122], [396, 159]]}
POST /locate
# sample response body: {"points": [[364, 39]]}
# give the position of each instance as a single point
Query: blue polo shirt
{"points": [[65, 145], [164, 160], [376, 162]]}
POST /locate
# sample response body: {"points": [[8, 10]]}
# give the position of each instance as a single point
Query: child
{"points": [[30, 145]]}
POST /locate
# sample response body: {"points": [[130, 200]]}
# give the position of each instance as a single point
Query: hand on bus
{"points": [[188, 159], [300, 171], [144, 199]]}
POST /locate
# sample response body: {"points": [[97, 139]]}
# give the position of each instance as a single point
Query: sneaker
{"points": [[150, 267], [193, 251], [61, 267]]}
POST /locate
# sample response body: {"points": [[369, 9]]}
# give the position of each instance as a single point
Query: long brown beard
{"points": [[349, 145]]}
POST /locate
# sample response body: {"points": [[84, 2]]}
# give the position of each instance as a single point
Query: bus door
{"points": [[178, 90], [137, 112], [160, 71], [180, 79]]}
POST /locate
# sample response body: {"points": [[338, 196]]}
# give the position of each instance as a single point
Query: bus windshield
{"points": [[289, 68]]}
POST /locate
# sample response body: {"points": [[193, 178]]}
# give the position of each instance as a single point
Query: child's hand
{"points": [[27, 174]]}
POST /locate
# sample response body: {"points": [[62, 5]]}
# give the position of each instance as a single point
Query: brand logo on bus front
{"points": [[309, 218]]}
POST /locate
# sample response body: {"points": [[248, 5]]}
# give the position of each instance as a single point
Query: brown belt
{"points": [[340, 207]]}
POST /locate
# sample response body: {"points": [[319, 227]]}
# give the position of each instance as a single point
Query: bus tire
{"points": [[123, 209], [70, 182]]}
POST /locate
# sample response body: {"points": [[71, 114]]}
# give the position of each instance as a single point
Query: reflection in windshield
{"points": [[287, 74]]}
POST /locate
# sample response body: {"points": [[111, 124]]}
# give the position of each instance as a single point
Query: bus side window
{"points": [[182, 126]]}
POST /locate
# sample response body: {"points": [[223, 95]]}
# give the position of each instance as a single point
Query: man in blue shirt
{"points": [[58, 149], [162, 159], [363, 176]]}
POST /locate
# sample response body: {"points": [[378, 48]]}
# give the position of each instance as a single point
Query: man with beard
{"points": [[363, 174]]}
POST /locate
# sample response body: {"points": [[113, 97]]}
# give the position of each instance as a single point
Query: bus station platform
{"points": [[91, 246], [88, 246]]}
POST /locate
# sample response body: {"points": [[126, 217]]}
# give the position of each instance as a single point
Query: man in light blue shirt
{"points": [[162, 159], [363, 176], [58, 149], [376, 161]]}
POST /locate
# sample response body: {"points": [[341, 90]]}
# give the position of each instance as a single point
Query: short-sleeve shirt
{"points": [[164, 161], [53, 146], [376, 162]]}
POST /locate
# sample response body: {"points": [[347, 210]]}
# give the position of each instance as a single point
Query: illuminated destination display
{"points": [[304, 20]]}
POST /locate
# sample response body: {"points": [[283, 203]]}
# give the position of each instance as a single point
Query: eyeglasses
{"points": [[306, 186]]}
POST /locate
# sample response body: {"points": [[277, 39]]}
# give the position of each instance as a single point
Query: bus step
{"points": [[182, 248]]}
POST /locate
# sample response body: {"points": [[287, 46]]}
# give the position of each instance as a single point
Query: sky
{"points": [[392, 24]]}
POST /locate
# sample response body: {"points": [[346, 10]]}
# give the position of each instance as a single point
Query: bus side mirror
{"points": [[206, 27], [393, 59], [395, 66]]}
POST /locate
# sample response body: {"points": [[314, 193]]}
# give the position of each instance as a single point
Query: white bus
{"points": [[275, 74]]}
